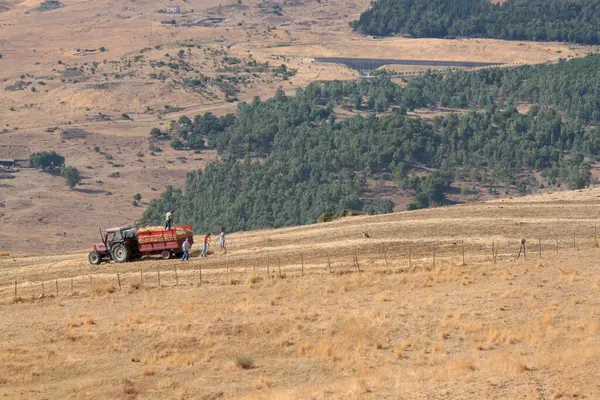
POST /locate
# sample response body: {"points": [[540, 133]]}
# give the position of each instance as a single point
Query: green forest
{"points": [[289, 161], [574, 21]]}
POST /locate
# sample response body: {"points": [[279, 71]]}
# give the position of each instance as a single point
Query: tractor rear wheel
{"points": [[121, 253], [94, 257], [166, 254]]}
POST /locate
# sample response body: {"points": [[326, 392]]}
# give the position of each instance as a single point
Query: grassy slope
{"points": [[506, 330]]}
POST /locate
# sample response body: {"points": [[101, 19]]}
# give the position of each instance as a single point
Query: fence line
{"points": [[403, 257]]}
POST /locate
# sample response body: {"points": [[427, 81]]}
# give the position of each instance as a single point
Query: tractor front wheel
{"points": [[120, 253], [94, 257], [166, 254]]}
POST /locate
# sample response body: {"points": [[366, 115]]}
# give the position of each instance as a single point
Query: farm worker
{"points": [[168, 220], [205, 244], [222, 240], [185, 246]]}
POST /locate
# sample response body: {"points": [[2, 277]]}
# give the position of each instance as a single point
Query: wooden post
{"points": [[556, 241], [43, 289], [200, 272], [176, 277], [56, 282], [279, 267], [254, 268], [15, 290], [356, 261], [494, 252], [595, 235], [302, 261], [71, 286], [92, 284], [524, 250], [539, 247], [142, 277], [463, 255], [227, 268], [328, 263], [385, 256], [268, 265], [119, 280], [574, 247], [433, 263], [410, 258], [158, 273]]}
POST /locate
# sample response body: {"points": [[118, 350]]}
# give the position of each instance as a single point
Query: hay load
{"points": [[155, 234]]}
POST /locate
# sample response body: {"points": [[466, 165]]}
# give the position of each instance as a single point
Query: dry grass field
{"points": [[417, 329], [53, 74]]}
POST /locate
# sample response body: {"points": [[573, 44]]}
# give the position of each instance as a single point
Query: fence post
{"points": [[328, 263], [539, 247], [556, 242], [119, 280], [176, 277], [433, 264], [43, 289], [302, 261], [574, 247], [356, 260], [385, 256], [494, 252], [142, 277], [268, 265], [56, 281], [410, 258], [15, 290], [92, 284], [158, 273], [279, 266], [71, 286], [200, 272]]}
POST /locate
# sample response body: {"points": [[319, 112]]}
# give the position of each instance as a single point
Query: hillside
{"points": [[402, 326], [116, 71], [313, 165], [538, 20]]}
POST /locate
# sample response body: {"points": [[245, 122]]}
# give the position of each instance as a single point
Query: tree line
{"points": [[538, 20], [288, 160]]}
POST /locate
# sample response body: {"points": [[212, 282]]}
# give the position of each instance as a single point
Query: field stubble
{"points": [[510, 329]]}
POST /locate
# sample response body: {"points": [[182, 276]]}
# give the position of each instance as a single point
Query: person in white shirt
{"points": [[185, 246], [222, 241], [168, 220]]}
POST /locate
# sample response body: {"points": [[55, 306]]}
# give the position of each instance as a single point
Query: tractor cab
{"points": [[118, 243]]}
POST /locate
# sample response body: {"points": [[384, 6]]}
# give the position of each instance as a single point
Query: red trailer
{"points": [[126, 244], [165, 242]]}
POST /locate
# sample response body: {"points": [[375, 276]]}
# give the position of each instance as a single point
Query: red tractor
{"points": [[124, 243], [120, 244]]}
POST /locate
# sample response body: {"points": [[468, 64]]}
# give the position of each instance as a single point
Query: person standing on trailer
{"points": [[185, 246], [222, 241], [168, 220], [205, 244]]}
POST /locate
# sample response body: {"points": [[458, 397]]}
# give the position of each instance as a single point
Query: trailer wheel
{"points": [[94, 258], [120, 253], [165, 255]]}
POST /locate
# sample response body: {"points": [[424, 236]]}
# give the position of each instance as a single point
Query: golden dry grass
{"points": [[514, 329]]}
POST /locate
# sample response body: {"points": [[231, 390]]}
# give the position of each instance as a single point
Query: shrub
{"points": [[244, 362], [137, 197], [46, 160], [71, 175]]}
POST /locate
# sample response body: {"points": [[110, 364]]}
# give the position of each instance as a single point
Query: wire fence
{"points": [[390, 256]]}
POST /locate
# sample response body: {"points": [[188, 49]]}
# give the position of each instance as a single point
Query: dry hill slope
{"points": [[396, 329]]}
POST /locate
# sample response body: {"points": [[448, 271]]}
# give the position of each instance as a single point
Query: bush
{"points": [[71, 175], [46, 160], [244, 362], [176, 144], [137, 197]]}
